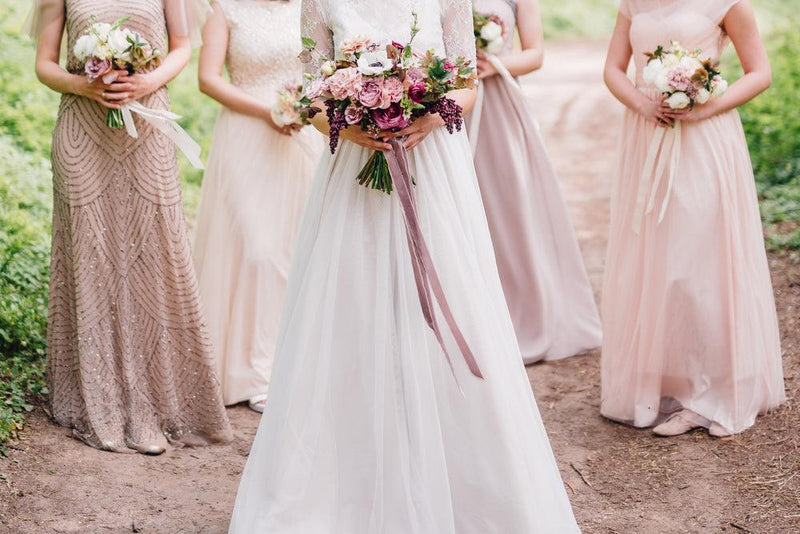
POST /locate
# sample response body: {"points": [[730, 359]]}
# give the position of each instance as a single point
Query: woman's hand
{"points": [[288, 129], [697, 113], [358, 136], [486, 68], [96, 90], [419, 130], [129, 88], [654, 111]]}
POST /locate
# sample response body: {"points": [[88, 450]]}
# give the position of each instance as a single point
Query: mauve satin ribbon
{"points": [[424, 271]]}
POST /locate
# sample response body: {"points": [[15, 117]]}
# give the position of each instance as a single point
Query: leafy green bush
{"points": [[772, 126]]}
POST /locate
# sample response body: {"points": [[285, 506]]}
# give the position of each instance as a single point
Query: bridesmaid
{"points": [[254, 190], [541, 268], [691, 333], [129, 361]]}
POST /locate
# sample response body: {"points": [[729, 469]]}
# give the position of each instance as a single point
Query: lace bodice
{"points": [[692, 23], [506, 10], [263, 44], [446, 25]]}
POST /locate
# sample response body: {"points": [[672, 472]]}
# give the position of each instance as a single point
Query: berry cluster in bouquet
{"points": [[383, 88], [292, 108], [490, 33], [685, 78], [106, 48]]}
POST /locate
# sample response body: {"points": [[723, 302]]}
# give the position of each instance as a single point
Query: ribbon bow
{"points": [[163, 121]]}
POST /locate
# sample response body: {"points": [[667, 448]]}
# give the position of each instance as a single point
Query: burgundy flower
{"points": [[95, 68], [390, 118], [416, 92], [398, 46]]}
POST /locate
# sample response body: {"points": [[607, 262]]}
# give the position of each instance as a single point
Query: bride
{"points": [[366, 429]]}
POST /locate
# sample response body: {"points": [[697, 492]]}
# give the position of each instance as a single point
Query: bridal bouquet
{"points": [[490, 32], [683, 77], [292, 107], [108, 47], [384, 88]]}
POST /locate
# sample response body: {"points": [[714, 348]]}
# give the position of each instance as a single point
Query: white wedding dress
{"points": [[365, 429]]}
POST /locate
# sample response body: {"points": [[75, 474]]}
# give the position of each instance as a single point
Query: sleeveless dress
{"points": [[541, 268], [366, 430], [252, 199], [129, 360], [688, 309]]}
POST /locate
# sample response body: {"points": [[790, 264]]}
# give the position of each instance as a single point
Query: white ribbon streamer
{"points": [[163, 121], [477, 110], [665, 149]]}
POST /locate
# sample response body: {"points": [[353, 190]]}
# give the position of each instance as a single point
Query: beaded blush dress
{"points": [[688, 310], [129, 361], [545, 282], [365, 428], [252, 199]]}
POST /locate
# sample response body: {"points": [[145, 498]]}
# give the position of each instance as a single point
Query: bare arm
{"points": [[615, 75], [740, 24], [212, 80], [531, 57], [48, 51]]}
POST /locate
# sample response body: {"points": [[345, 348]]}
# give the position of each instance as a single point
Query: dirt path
{"points": [[620, 480]]}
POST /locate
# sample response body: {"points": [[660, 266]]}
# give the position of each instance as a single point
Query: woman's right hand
{"points": [[288, 130], [652, 111], [358, 136], [97, 91]]}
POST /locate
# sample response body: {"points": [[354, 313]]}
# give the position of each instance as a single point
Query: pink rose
{"points": [[345, 83], [354, 113], [371, 93], [96, 67], [415, 75], [392, 90], [391, 118], [314, 89], [416, 92], [359, 43]]}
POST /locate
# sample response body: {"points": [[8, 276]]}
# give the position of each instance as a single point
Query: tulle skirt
{"points": [[366, 430], [252, 200], [688, 310], [541, 268]]}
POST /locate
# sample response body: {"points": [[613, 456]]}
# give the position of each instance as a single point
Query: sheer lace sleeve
{"points": [[42, 12], [314, 21], [459, 38], [185, 18]]}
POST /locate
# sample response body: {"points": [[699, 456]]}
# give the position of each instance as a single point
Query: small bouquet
{"points": [[683, 77], [106, 47], [384, 88], [490, 33], [292, 107]]}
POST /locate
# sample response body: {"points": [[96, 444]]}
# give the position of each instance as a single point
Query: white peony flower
{"points": [[703, 95], [495, 47], [651, 71], [679, 100], [328, 68], [662, 81], [85, 47], [670, 60], [118, 41], [718, 87], [491, 31], [374, 63], [691, 64], [102, 29]]}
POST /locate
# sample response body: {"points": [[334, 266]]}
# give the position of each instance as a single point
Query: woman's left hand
{"points": [[689, 114], [485, 68], [137, 86], [419, 130]]}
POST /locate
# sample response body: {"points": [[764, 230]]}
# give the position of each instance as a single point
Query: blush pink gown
{"points": [[688, 309], [541, 268]]}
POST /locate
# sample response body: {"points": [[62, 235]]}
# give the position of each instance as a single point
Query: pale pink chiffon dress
{"points": [[252, 200], [541, 268], [688, 309]]}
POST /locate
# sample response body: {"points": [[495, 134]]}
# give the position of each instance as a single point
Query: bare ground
{"points": [[620, 480]]}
